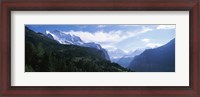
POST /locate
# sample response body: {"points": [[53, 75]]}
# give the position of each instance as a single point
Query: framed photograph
{"points": [[137, 48]]}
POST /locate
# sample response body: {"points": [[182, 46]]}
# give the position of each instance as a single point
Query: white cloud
{"points": [[106, 37], [166, 27], [145, 40], [145, 29], [109, 39], [130, 25], [101, 26], [153, 45], [99, 36], [109, 46]]}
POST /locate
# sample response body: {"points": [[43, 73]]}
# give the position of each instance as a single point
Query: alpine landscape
{"points": [[99, 48]]}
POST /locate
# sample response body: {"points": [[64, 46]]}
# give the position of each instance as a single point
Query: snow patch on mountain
{"points": [[69, 39], [124, 58]]}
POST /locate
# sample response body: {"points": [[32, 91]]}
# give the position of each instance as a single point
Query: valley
{"points": [[59, 51]]}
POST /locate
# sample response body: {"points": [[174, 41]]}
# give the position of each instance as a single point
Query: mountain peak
{"points": [[66, 38], [71, 39], [116, 53], [161, 59]]}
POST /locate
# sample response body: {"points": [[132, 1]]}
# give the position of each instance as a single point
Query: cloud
{"points": [[130, 25], [101, 26], [145, 40], [153, 45], [99, 36], [109, 46], [166, 27], [106, 37], [145, 29]]}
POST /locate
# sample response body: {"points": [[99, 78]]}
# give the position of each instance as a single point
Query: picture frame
{"points": [[193, 90]]}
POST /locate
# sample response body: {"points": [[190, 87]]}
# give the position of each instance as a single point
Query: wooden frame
{"points": [[100, 5]]}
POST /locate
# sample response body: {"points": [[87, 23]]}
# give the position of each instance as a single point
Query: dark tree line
{"points": [[45, 55]]}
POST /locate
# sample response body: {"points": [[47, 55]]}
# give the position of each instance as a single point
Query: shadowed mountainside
{"points": [[161, 59], [43, 54]]}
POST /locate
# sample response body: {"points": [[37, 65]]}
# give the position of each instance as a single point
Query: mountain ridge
{"points": [[161, 59], [125, 60], [43, 54], [69, 39]]}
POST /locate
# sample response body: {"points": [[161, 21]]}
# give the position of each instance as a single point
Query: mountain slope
{"points": [[125, 60], [44, 54], [69, 39], [161, 59], [116, 54]]}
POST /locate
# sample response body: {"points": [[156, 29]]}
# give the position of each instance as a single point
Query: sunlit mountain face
{"points": [[120, 43]]}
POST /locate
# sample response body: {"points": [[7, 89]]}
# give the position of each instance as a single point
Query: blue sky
{"points": [[110, 37]]}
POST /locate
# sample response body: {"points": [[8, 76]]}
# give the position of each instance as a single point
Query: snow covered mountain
{"points": [[64, 38], [69, 39], [116, 53], [123, 58]]}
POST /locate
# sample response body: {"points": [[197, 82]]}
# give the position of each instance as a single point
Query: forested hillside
{"points": [[43, 54]]}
